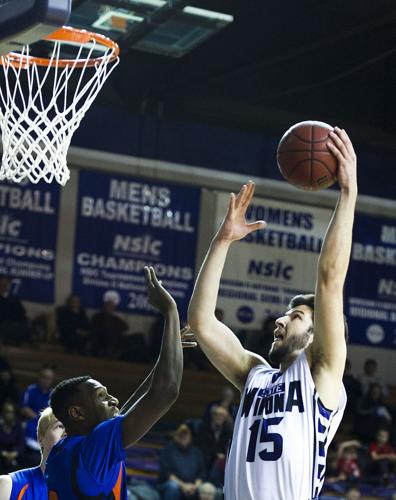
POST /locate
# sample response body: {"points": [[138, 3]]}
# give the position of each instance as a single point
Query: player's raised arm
{"points": [[164, 383], [329, 346], [188, 342], [218, 342]]}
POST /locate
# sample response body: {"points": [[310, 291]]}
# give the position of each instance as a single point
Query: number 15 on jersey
{"points": [[274, 440]]}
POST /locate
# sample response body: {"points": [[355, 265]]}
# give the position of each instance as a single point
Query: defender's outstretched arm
{"points": [[164, 382]]}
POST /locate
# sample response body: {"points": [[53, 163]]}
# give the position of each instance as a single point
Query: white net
{"points": [[40, 110]]}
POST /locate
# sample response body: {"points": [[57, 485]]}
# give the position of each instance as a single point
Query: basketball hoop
{"points": [[36, 124]]}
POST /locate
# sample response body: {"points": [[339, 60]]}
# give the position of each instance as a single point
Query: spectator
{"points": [[12, 441], [8, 387], [73, 325], [35, 399], [107, 330], [383, 457], [13, 322], [182, 467], [370, 377], [207, 491], [348, 468], [352, 388], [227, 401], [372, 413], [133, 348], [213, 439]]}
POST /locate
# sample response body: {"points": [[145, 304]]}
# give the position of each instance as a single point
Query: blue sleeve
{"points": [[102, 449]]}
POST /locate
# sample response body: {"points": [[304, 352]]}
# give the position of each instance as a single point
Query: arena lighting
{"points": [[154, 3], [210, 14]]}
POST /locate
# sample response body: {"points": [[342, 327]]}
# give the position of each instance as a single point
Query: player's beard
{"points": [[294, 343]]}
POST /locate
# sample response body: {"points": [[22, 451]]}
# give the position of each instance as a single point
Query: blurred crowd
{"points": [[365, 459], [105, 333], [191, 464]]}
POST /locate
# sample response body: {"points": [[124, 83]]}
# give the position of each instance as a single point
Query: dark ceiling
{"points": [[278, 62]]}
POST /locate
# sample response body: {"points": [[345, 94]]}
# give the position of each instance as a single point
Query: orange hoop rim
{"points": [[66, 34]]}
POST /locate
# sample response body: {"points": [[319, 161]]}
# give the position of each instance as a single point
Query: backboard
{"points": [[23, 22]]}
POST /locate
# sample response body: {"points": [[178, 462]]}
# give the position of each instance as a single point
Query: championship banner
{"points": [[124, 224], [28, 234], [268, 267], [371, 282]]}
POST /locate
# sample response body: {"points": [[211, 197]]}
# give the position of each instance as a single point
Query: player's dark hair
{"points": [[303, 300], [308, 299], [63, 396]]}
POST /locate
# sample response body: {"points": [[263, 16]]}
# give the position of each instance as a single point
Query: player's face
{"points": [[46, 379], [293, 333], [103, 405]]}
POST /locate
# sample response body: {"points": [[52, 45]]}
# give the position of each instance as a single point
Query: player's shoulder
{"points": [[104, 430], [5, 479], [5, 487], [260, 369], [65, 444], [107, 424], [28, 474], [257, 361]]}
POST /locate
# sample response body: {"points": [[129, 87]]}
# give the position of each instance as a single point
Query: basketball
{"points": [[303, 157]]}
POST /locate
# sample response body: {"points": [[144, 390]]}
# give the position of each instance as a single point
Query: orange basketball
{"points": [[303, 157]]}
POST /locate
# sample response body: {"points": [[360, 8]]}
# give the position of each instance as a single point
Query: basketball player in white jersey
{"points": [[287, 417]]}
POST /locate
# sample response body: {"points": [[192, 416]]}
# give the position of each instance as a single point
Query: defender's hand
{"points": [[187, 338], [234, 226], [341, 147], [157, 295]]}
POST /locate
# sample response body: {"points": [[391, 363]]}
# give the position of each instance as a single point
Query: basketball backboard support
{"points": [[23, 22]]}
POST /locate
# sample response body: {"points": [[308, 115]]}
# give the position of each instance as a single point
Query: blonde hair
{"points": [[47, 418]]}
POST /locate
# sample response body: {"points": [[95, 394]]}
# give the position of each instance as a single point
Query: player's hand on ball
{"points": [[235, 226], [158, 297], [341, 147], [187, 338]]}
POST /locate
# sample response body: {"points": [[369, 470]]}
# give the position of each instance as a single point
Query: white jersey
{"points": [[281, 436]]}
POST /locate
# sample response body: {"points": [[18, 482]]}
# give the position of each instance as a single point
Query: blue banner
{"points": [[124, 224], [28, 233], [371, 282]]}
